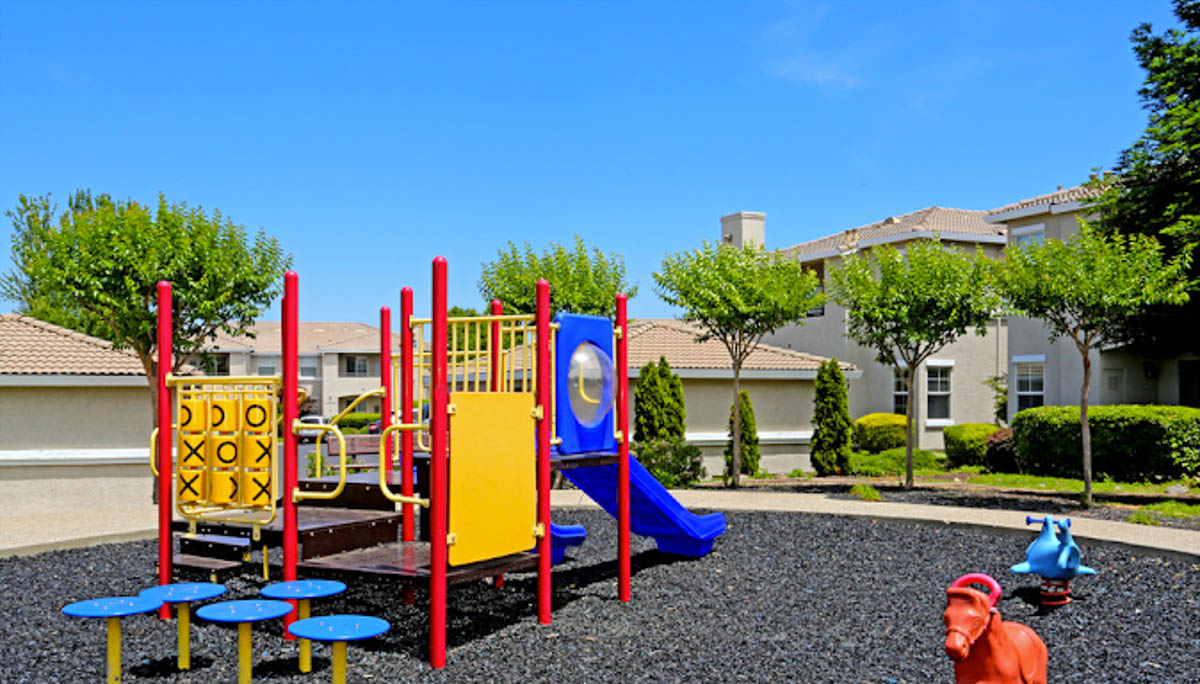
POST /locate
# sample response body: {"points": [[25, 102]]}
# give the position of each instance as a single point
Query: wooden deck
{"points": [[411, 560]]}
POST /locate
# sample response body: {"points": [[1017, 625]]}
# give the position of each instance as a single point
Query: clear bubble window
{"points": [[590, 384]]}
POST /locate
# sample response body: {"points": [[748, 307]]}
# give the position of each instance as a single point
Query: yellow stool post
{"points": [[182, 595], [114, 650], [305, 644], [112, 609], [244, 613], [184, 615], [244, 653], [339, 662]]}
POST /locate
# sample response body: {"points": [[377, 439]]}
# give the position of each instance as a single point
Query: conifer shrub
{"points": [[660, 411], [966, 444], [876, 432], [751, 455], [832, 427]]}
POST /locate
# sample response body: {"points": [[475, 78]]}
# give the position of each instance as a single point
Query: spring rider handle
{"points": [[980, 578]]}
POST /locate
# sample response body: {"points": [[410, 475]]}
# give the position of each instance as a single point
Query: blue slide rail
{"points": [[653, 512]]}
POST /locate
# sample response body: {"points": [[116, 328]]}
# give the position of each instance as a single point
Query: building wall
{"points": [[336, 390], [74, 417]]}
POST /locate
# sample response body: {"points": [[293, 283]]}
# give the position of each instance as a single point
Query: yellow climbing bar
{"points": [[383, 485], [297, 495]]}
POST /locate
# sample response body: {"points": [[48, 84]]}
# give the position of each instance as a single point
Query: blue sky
{"points": [[371, 137]]}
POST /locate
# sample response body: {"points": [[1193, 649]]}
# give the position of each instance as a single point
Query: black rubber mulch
{"points": [[784, 597]]}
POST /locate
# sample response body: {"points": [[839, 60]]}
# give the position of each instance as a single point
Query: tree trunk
{"points": [[1084, 430], [737, 424], [910, 379]]}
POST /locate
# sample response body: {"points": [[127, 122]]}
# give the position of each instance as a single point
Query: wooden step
{"points": [[213, 567], [231, 548]]}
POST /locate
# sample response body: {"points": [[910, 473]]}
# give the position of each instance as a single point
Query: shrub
{"points": [[1129, 443], [865, 492], [831, 421], [878, 432], [660, 411], [966, 444], [673, 462], [750, 451], [357, 420], [891, 462], [1000, 455]]}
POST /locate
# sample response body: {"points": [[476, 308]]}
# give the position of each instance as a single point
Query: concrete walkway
{"points": [[42, 515]]}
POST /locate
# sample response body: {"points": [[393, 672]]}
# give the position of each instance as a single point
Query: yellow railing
{"points": [[297, 495], [383, 485], [317, 458]]}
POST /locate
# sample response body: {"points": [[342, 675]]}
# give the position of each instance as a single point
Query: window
{"points": [[268, 365], [938, 382], [354, 366], [1032, 234], [216, 364], [899, 393], [1031, 384], [308, 366]]}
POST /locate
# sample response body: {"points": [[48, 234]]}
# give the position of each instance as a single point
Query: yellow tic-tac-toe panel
{"points": [[190, 484], [223, 415], [224, 451], [493, 475], [256, 488], [256, 450], [256, 415], [191, 451], [223, 486], [191, 415]]}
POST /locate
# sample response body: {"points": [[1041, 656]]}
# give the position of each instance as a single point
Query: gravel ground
{"points": [[783, 597]]}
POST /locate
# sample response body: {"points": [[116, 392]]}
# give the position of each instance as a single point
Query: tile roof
{"points": [[1060, 196], [29, 346], [314, 337], [913, 225], [654, 337]]}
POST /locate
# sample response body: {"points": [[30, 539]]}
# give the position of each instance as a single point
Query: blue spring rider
{"points": [[1056, 558]]}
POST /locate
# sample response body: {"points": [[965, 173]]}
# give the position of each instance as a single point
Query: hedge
{"points": [[966, 444], [357, 420], [877, 432], [1129, 443]]}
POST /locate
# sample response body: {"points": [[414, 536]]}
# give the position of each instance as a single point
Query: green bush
{"points": [[878, 432], [673, 462], [357, 420], [660, 410], [966, 444], [831, 422], [1129, 443], [750, 451], [891, 462], [1000, 455], [865, 492]]}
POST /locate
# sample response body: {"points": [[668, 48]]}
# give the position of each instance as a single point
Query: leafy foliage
{"points": [[1000, 455], [877, 432], [357, 419], [737, 295], [96, 270], [672, 461], [893, 462], [660, 410], [831, 422], [906, 306], [581, 281], [751, 454], [865, 492], [966, 443], [998, 384]]}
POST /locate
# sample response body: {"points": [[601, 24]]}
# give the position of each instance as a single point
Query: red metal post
{"points": [[406, 414], [165, 480], [623, 447], [497, 385], [544, 376], [438, 489], [385, 374], [291, 368]]}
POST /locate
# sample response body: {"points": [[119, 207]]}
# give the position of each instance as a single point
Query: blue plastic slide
{"points": [[653, 512]]}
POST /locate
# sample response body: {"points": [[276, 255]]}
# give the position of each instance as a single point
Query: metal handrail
{"points": [[297, 495], [377, 392], [383, 485], [153, 451]]}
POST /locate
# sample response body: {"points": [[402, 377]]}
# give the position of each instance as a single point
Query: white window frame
{"points": [[933, 369], [312, 361], [362, 366], [1034, 232], [1029, 392], [899, 389], [273, 366]]}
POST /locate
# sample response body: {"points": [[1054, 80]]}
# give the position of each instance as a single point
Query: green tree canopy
{"points": [[908, 305], [1087, 289], [1156, 188], [737, 295], [581, 280], [97, 268]]}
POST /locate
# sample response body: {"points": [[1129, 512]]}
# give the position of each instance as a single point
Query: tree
{"points": [[1156, 187], [581, 281], [737, 295], [832, 426], [908, 305], [1087, 289], [97, 271], [660, 408], [743, 432]]}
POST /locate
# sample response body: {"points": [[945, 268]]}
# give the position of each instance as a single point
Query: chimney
{"points": [[744, 228]]}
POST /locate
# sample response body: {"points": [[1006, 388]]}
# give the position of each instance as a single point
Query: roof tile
{"points": [[29, 346]]}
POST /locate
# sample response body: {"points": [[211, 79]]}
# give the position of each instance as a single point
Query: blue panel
{"points": [[577, 437]]}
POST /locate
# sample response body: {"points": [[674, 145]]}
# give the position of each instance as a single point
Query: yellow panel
{"points": [[256, 415], [256, 488], [191, 415], [224, 416], [190, 485], [224, 452], [256, 451], [493, 475], [191, 451], [223, 486]]}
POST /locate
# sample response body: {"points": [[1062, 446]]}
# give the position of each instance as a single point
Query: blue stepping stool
{"points": [[244, 613], [113, 609], [339, 629], [301, 591], [184, 594]]}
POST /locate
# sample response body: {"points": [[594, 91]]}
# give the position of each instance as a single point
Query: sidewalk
{"points": [[42, 515]]}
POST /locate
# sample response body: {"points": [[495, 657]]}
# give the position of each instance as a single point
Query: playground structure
{"points": [[511, 397], [1057, 559], [985, 648]]}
